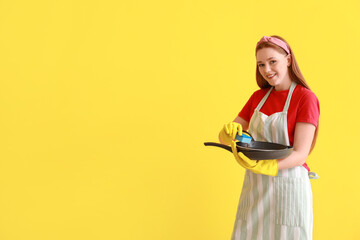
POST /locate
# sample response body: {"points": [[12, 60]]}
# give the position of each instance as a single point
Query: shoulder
{"points": [[304, 94], [307, 102], [260, 93], [257, 95], [255, 98]]}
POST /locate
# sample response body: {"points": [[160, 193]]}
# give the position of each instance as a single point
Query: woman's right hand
{"points": [[229, 131]]}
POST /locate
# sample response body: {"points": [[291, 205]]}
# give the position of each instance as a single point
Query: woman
{"points": [[276, 198]]}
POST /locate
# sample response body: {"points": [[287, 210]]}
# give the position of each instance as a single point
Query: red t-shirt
{"points": [[304, 107]]}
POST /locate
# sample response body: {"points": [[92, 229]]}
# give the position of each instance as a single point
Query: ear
{"points": [[288, 58]]}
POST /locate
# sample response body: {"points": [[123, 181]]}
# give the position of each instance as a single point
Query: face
{"points": [[273, 66]]}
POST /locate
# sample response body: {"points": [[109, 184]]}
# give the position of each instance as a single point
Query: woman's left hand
{"points": [[266, 167]]}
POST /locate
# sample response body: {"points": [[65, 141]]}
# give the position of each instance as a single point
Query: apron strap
{"points": [[261, 103], [287, 103]]}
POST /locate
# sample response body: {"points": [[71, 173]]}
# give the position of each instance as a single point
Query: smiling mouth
{"points": [[271, 76]]}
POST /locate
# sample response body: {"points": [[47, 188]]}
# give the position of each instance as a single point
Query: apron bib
{"points": [[280, 207]]}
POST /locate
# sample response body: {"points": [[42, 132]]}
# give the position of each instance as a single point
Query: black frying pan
{"points": [[257, 150]]}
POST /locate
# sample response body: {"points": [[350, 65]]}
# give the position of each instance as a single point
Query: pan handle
{"points": [[218, 145]]}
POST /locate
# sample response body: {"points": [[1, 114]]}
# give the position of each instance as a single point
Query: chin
{"points": [[271, 83], [274, 83]]}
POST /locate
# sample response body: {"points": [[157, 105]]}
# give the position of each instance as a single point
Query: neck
{"points": [[284, 86]]}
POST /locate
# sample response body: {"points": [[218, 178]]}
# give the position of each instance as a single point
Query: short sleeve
{"points": [[246, 111], [309, 109]]}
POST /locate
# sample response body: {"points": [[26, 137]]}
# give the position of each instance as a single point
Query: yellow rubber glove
{"points": [[266, 167], [229, 131]]}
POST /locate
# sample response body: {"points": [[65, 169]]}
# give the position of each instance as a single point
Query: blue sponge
{"points": [[243, 138]]}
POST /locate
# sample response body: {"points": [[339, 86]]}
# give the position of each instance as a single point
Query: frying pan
{"points": [[257, 150]]}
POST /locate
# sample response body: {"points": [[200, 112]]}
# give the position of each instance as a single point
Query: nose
{"points": [[267, 68]]}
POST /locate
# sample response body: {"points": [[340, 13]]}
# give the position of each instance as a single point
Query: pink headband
{"points": [[276, 41]]}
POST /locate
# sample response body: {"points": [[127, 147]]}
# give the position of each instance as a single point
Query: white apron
{"points": [[280, 207]]}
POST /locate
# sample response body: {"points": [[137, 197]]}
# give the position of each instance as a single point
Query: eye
{"points": [[261, 65], [272, 61]]}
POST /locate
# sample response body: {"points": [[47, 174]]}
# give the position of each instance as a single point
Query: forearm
{"points": [[304, 133], [296, 158]]}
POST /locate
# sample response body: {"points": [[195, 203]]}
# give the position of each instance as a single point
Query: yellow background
{"points": [[105, 105]]}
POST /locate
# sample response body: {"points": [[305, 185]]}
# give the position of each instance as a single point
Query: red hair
{"points": [[294, 70], [294, 73]]}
